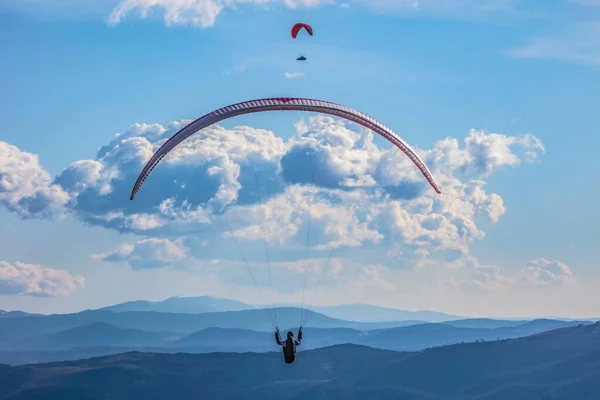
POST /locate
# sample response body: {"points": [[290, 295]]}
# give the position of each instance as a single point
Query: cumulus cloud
{"points": [[329, 181], [483, 279], [293, 75], [485, 153], [428, 228], [536, 273], [543, 272], [199, 13], [148, 254], [287, 276], [25, 187], [204, 13], [370, 278], [34, 280]]}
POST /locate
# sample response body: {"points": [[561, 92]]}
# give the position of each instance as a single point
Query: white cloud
{"points": [[287, 277], [204, 13], [350, 191], [536, 273], [293, 75], [483, 279], [542, 272], [430, 228], [25, 187], [485, 153], [370, 279], [579, 44], [34, 280], [148, 254], [199, 13], [222, 164], [336, 218]]}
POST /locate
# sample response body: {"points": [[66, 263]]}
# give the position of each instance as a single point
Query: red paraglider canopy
{"points": [[296, 28]]}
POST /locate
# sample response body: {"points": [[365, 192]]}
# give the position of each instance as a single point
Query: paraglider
{"points": [[282, 104], [297, 27]]}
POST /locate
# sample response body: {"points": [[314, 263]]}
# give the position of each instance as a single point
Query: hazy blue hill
{"points": [[542, 325], [43, 356], [183, 376], [95, 334], [533, 360], [257, 320], [218, 339], [187, 305], [417, 337], [560, 365], [105, 339], [371, 313], [14, 314], [350, 312], [535, 326], [526, 326], [485, 323], [220, 334]]}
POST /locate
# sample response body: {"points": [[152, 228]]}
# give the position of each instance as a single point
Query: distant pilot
{"points": [[289, 345]]}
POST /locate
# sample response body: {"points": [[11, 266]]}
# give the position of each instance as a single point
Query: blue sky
{"points": [[500, 98]]}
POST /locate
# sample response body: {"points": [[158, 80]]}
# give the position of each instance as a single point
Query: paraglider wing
{"points": [[282, 104], [296, 28]]}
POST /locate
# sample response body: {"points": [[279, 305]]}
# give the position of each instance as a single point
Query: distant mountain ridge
{"points": [[182, 305], [26, 338], [372, 313], [94, 334], [14, 314], [257, 320], [562, 364], [100, 338], [349, 312]]}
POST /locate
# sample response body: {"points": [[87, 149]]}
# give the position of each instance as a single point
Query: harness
{"points": [[289, 350]]}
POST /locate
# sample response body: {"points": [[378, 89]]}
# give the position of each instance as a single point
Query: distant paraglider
{"points": [[296, 29]]}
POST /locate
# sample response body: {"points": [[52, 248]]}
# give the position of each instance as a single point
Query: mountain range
{"points": [[561, 364], [371, 313], [182, 305], [350, 312], [257, 320], [43, 338]]}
